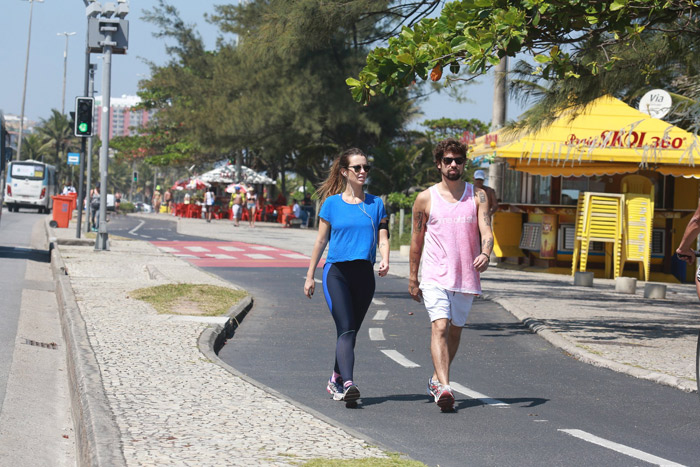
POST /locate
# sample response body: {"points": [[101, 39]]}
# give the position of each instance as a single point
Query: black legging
{"points": [[349, 288]]}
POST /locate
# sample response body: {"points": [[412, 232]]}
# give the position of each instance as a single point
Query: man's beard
{"points": [[452, 176]]}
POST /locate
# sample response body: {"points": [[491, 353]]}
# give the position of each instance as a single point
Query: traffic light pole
{"points": [[88, 157], [102, 242]]}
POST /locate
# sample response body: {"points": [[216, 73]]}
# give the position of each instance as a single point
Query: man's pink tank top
{"points": [[452, 243]]}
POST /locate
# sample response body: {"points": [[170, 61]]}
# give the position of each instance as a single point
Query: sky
{"points": [[46, 63]]}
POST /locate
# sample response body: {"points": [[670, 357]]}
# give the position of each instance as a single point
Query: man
{"points": [[236, 206], [448, 219], [684, 252], [479, 177]]}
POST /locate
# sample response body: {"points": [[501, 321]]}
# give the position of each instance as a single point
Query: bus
{"points": [[30, 184], [4, 155]]}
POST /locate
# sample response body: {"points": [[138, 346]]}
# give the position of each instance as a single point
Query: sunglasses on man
{"points": [[457, 160], [358, 168]]}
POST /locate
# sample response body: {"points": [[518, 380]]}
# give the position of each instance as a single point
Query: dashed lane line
{"points": [[376, 334], [378, 302], [621, 448], [400, 359], [381, 315], [478, 396]]}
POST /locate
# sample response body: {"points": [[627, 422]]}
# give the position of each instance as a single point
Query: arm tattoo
{"points": [[487, 245], [482, 197], [487, 219], [419, 221]]}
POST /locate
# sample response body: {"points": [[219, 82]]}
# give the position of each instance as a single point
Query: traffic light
{"points": [[83, 116], [136, 176]]}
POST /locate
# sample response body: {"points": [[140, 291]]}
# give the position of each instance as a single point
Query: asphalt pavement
{"points": [[145, 393]]}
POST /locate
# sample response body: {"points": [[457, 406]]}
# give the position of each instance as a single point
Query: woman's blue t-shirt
{"points": [[354, 227]]}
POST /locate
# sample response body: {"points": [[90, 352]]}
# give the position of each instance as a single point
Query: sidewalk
{"points": [[148, 389]]}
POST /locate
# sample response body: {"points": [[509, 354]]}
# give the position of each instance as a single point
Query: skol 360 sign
{"points": [[625, 139]]}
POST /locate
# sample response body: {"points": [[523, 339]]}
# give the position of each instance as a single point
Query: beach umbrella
{"points": [[180, 184], [197, 184]]}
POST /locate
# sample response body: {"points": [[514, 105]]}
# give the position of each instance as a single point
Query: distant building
{"points": [[123, 120], [12, 124]]}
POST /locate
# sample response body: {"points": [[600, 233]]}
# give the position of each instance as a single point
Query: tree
{"points": [[568, 40], [57, 134]]}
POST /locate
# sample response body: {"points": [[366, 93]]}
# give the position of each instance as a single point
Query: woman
{"points": [[209, 198], [355, 222], [252, 201]]}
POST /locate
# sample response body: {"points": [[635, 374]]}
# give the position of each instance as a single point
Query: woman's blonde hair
{"points": [[335, 182]]}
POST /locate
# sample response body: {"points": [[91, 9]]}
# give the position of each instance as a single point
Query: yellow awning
{"points": [[608, 134]]}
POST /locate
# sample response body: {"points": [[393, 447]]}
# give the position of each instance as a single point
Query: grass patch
{"points": [[393, 461], [190, 299]]}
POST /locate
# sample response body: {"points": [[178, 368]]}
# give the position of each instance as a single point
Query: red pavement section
{"points": [[234, 255]]}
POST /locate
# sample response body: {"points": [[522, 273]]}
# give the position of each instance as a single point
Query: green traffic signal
{"points": [[83, 116], [83, 127]]}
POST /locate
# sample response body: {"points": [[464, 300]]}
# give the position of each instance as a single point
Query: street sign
{"points": [[73, 158]]}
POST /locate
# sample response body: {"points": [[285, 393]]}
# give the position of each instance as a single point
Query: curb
{"points": [[213, 339], [98, 439], [540, 328]]}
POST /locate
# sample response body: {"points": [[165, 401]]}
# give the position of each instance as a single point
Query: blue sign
{"points": [[73, 158]]}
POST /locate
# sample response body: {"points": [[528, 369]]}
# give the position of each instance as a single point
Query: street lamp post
{"points": [[65, 67], [24, 89]]}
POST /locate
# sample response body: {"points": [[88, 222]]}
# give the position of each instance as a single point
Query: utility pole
{"points": [[24, 89], [65, 67], [498, 120]]}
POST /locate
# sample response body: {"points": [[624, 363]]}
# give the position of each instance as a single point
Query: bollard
{"points": [[626, 285], [654, 291], [404, 250], [583, 279]]}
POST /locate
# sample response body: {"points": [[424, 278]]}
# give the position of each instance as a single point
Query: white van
{"points": [[30, 184]]}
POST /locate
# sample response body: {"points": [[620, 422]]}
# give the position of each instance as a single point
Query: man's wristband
{"points": [[487, 256]]}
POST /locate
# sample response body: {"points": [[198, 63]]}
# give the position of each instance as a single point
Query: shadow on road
{"points": [[41, 256]]}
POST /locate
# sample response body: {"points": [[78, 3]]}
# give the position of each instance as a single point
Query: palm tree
{"points": [[57, 135], [32, 147]]}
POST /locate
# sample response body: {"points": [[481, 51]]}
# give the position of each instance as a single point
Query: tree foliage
{"points": [[567, 40]]}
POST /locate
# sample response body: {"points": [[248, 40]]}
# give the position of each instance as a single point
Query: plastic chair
{"points": [[637, 184]]}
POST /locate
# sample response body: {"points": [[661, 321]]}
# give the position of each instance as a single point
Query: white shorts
{"points": [[236, 211], [446, 304]]}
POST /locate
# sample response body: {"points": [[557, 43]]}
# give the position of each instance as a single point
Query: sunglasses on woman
{"points": [[450, 160], [358, 168]]}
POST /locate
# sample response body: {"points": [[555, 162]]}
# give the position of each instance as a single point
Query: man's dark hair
{"points": [[451, 146]]}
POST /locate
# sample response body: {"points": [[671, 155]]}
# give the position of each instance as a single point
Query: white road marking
{"points": [[145, 236], [376, 334], [168, 249], [133, 231], [294, 256], [621, 448], [230, 248], [258, 256], [400, 359], [219, 256], [477, 395], [197, 249], [263, 248], [162, 239], [381, 315], [319, 281], [378, 302]]}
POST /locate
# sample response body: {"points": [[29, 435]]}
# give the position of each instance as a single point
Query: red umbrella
{"points": [[180, 184], [232, 187], [197, 184]]}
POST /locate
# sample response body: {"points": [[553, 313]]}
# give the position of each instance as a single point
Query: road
{"points": [[519, 400], [35, 421]]}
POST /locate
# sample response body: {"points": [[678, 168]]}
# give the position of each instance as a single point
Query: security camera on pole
{"points": [[106, 35]]}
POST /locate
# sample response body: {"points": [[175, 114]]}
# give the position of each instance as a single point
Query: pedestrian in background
{"points": [[168, 200], [479, 177], [692, 230], [353, 222], [209, 199], [94, 206], [251, 204], [448, 218], [236, 206], [156, 200]]}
